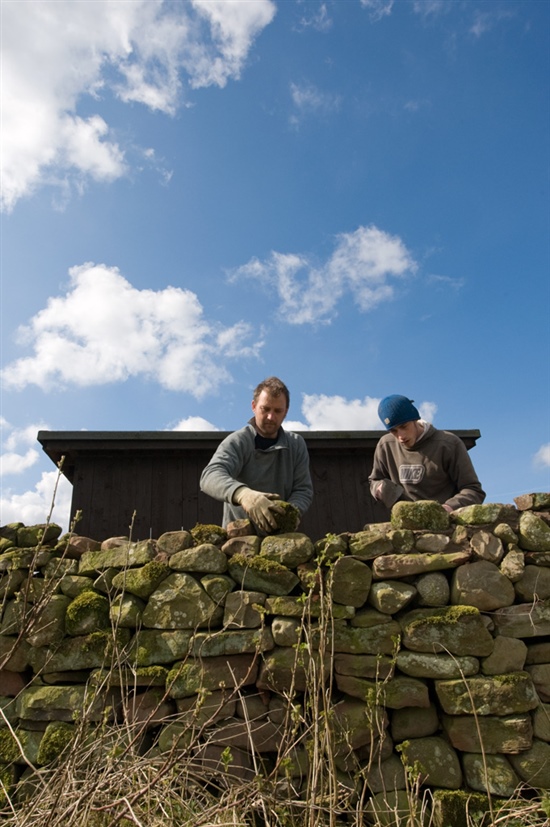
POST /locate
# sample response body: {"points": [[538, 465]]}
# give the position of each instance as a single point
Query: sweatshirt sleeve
{"points": [[219, 478], [461, 471], [302, 486], [390, 492]]}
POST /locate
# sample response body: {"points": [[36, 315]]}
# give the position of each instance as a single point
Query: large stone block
{"points": [[488, 695], [457, 630], [493, 735]]}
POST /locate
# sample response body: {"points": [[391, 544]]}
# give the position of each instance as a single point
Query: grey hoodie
{"points": [[281, 469], [437, 467]]}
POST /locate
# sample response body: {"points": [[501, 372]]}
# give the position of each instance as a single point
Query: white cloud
{"points": [[318, 20], [234, 25], [33, 507], [12, 460], [194, 423], [378, 9], [427, 411], [446, 281], [56, 52], [104, 330], [336, 413], [309, 100], [12, 463], [428, 7], [485, 21], [362, 263], [542, 457]]}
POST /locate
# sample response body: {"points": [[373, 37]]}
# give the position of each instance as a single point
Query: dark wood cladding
{"points": [[150, 480]]}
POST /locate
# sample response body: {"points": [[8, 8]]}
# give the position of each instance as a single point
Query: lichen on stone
{"points": [[427, 515], [258, 563], [57, 736], [89, 612], [208, 533]]}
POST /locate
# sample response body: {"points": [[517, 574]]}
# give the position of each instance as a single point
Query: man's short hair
{"points": [[274, 387]]}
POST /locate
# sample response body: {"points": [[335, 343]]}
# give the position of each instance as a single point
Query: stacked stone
{"points": [[429, 635]]}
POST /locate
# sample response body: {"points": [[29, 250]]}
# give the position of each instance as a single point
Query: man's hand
{"points": [[259, 506]]}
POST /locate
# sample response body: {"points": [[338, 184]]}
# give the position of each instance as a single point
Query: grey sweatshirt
{"points": [[437, 467], [281, 469]]}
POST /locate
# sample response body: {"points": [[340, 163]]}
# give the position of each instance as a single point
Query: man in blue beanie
{"points": [[416, 461]]}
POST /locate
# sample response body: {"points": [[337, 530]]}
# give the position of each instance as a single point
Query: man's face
{"points": [[408, 433], [269, 412]]}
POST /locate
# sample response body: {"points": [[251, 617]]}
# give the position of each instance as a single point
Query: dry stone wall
{"points": [[423, 642]]}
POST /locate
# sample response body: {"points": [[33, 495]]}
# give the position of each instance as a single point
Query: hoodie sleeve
{"points": [[461, 471], [390, 492]]}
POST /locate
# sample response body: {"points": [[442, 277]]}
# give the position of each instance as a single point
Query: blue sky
{"points": [[352, 195]]}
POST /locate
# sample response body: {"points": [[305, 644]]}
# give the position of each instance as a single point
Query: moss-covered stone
{"points": [[205, 558], [238, 642], [73, 584], [44, 534], [127, 555], [288, 549], [142, 676], [24, 558], [370, 543], [402, 540], [207, 533], [391, 808], [259, 573], [217, 586], [425, 515], [49, 622], [126, 611], [458, 630], [180, 602], [331, 547], [172, 541], [436, 761], [482, 514], [57, 737], [62, 703], [533, 765], [141, 581], [83, 652], [10, 583], [203, 675], [533, 502], [290, 606], [286, 669], [9, 751], [87, 613], [490, 773], [8, 778], [507, 694], [6, 543], [9, 531], [459, 808], [58, 567], [287, 517], [505, 533], [152, 646], [534, 532]]}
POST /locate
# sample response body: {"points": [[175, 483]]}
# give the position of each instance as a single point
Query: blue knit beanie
{"points": [[395, 410]]}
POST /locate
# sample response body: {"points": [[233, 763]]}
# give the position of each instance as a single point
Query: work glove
{"points": [[259, 507]]}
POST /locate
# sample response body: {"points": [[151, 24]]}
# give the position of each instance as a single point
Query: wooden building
{"points": [[150, 480]]}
